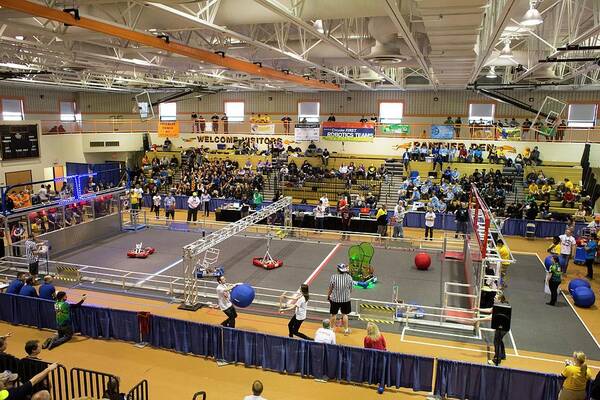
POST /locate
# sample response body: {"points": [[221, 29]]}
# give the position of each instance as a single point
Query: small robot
{"points": [[208, 266], [140, 251]]}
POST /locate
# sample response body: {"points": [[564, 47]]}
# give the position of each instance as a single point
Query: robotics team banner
{"points": [[263, 129], [509, 133], [307, 132], [348, 131], [395, 128], [442, 131]]}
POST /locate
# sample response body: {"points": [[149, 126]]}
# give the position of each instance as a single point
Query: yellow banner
{"points": [[168, 129]]}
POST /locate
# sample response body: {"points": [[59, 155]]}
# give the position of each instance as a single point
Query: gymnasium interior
{"points": [[169, 162]]}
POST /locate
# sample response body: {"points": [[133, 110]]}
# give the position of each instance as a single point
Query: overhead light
{"points": [[318, 25], [491, 73], [20, 37], [532, 17], [506, 51], [152, 30], [15, 66]]}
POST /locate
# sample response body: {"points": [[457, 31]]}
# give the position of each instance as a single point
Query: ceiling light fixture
{"points": [[532, 17], [492, 73], [318, 25], [20, 37], [506, 52]]}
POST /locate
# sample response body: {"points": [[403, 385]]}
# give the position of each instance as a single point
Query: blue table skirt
{"points": [[416, 219]]}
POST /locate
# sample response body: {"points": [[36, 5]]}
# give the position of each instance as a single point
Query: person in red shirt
{"points": [[374, 338], [568, 199]]}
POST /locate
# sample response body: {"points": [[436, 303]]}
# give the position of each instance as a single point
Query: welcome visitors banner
{"points": [[349, 131], [307, 132], [442, 131]]}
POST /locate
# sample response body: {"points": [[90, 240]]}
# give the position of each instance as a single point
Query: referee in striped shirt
{"points": [[340, 288], [31, 253]]}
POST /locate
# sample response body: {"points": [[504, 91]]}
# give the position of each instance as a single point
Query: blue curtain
{"points": [[107, 173], [476, 381], [124, 325], [185, 336]]}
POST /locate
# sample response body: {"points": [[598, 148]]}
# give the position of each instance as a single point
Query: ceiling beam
{"points": [[256, 43], [492, 38], [277, 8], [34, 9], [401, 25]]}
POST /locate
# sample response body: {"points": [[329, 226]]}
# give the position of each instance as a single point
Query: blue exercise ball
{"points": [[584, 297], [577, 283], [242, 295], [548, 262]]}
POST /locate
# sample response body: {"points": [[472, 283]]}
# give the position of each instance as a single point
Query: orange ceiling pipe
{"points": [[37, 10]]}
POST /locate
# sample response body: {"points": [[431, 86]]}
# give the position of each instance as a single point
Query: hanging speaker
{"points": [[501, 314], [146, 142]]}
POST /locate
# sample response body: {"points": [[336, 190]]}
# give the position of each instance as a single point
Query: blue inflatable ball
{"points": [[242, 295], [548, 262], [584, 297], [380, 389], [577, 283]]}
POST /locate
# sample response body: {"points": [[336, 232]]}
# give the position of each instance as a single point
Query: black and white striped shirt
{"points": [[341, 285], [31, 251]]}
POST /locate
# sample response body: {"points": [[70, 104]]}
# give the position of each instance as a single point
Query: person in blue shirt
{"points": [[15, 286], [28, 290], [590, 255], [47, 290]]}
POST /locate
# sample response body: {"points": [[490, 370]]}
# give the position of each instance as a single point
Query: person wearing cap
{"points": [[340, 288], [47, 290], [193, 204], [325, 334], [10, 390], [63, 321]]}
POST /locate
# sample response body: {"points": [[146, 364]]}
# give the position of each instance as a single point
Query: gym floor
{"points": [[543, 335]]}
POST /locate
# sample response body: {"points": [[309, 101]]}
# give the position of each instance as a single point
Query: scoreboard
{"points": [[19, 141]]}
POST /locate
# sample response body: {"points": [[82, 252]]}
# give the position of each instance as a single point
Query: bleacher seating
{"points": [[333, 187]]}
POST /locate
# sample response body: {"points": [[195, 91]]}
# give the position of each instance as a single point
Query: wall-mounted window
{"points": [[167, 111], [390, 112], [481, 112], [309, 110], [12, 110], [234, 111], [582, 115], [68, 111]]}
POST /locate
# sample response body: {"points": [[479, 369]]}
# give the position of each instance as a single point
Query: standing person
{"points": [[567, 247], [340, 288], [286, 123], [461, 216], [32, 254], [429, 223], [225, 123], [63, 321], [205, 199], [224, 301], [374, 338], [577, 375], [257, 389], [554, 248], [47, 290], [257, 199], [382, 221], [346, 215], [215, 123], [196, 125], [504, 253], [554, 280], [156, 204], [16, 234], [499, 333], [398, 220], [170, 206], [319, 216], [590, 255], [202, 124], [595, 388], [193, 204], [325, 334], [299, 313]]}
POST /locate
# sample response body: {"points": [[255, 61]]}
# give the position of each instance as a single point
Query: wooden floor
{"points": [[176, 376]]}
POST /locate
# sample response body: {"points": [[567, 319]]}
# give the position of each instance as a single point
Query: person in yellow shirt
{"points": [[554, 248], [534, 190], [504, 253], [568, 184], [526, 155], [546, 189], [577, 375]]}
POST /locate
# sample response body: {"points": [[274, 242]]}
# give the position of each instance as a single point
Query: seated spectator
{"points": [[374, 338], [10, 389], [477, 155], [28, 289], [112, 390], [535, 156], [462, 154], [580, 214], [371, 172], [47, 289], [311, 150], [325, 334], [545, 209], [492, 155], [8, 361], [370, 201], [531, 210], [568, 199], [167, 145], [545, 190], [15, 286], [534, 190], [257, 388], [526, 156]]}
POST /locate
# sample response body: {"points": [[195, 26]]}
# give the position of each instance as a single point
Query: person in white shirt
{"points": [[299, 313], [325, 334], [43, 194], [319, 216], [224, 301], [193, 204], [325, 201], [429, 223], [257, 389], [156, 204], [205, 199], [399, 212], [567, 247]]}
